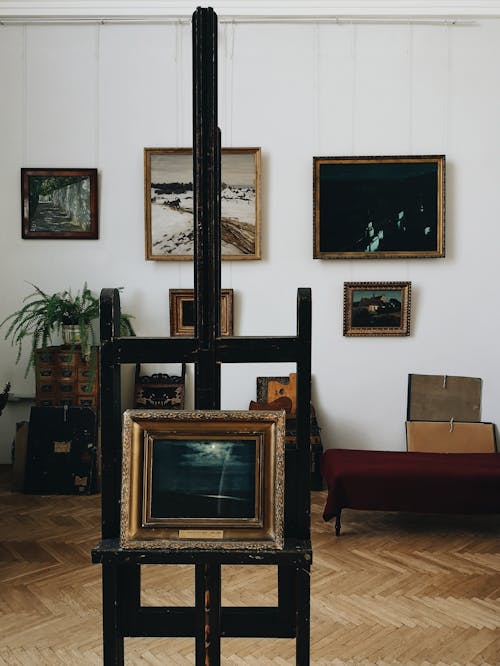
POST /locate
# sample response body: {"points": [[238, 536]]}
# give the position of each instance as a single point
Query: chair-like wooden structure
{"points": [[207, 621]]}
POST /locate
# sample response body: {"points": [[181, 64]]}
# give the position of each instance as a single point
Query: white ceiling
{"points": [[246, 9]]}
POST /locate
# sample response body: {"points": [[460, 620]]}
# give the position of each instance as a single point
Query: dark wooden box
{"points": [[62, 451], [159, 390]]}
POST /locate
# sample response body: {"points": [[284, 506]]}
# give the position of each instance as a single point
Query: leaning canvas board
{"points": [[443, 397], [450, 437]]}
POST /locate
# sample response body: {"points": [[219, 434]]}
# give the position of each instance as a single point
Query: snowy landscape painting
{"points": [[169, 203]]}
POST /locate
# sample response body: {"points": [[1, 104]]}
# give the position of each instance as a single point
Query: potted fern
{"points": [[44, 315]]}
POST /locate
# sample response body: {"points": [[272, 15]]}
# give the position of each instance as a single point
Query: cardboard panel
{"points": [[443, 397], [446, 437]]}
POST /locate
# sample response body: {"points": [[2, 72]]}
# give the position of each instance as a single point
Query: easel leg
{"points": [[208, 612], [286, 596], [303, 643], [112, 637], [337, 523]]}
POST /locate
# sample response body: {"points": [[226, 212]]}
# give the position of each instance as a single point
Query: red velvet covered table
{"points": [[410, 481]]}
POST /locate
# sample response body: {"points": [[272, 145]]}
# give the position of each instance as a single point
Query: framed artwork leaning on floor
{"points": [[379, 207]]}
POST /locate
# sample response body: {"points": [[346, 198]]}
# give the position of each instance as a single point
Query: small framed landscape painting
{"points": [[377, 308], [59, 203], [182, 315], [168, 202], [203, 479], [379, 207]]}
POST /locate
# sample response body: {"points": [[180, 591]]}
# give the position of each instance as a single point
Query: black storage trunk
{"points": [[61, 456]]}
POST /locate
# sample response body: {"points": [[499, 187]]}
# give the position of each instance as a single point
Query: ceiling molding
{"points": [[246, 10]]}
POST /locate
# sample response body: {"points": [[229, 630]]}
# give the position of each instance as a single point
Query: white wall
{"points": [[96, 95]]}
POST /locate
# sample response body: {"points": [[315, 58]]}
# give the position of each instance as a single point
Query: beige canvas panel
{"points": [[443, 397], [446, 437]]}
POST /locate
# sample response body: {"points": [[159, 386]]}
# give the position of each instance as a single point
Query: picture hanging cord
{"points": [[25, 96], [410, 88], [228, 82], [178, 58], [447, 106], [316, 60], [227, 125], [354, 81], [97, 137]]}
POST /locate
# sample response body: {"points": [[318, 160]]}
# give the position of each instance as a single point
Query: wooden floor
{"points": [[394, 589]]}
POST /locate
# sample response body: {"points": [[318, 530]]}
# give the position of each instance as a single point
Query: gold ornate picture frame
{"points": [[377, 308], [168, 203], [202, 479], [390, 207], [181, 307]]}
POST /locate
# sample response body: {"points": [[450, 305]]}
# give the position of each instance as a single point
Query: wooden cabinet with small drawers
{"points": [[65, 377]]}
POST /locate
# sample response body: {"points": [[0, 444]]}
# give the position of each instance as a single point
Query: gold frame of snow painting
{"points": [[168, 203]]}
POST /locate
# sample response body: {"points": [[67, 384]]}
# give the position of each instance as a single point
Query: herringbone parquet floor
{"points": [[393, 590]]}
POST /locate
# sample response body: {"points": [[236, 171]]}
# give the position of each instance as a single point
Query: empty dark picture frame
{"points": [[379, 207], [209, 479], [377, 308], [168, 203], [181, 306], [59, 203]]}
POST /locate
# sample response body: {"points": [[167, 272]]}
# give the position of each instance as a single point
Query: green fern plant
{"points": [[44, 315]]}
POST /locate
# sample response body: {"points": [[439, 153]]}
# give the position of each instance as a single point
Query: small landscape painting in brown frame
{"points": [[377, 308]]}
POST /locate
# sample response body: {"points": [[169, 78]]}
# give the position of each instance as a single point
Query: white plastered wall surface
{"points": [[95, 93]]}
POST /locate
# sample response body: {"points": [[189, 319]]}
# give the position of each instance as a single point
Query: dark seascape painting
{"points": [[203, 478], [379, 207]]}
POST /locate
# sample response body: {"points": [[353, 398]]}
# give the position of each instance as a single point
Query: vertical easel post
{"points": [[111, 456], [206, 179], [208, 613], [304, 412], [206, 206], [111, 468]]}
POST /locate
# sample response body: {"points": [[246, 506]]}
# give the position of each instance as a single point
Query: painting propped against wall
{"points": [[168, 203], [379, 207], [59, 203]]}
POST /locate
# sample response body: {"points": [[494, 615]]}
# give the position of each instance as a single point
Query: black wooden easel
{"points": [[207, 621]]}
